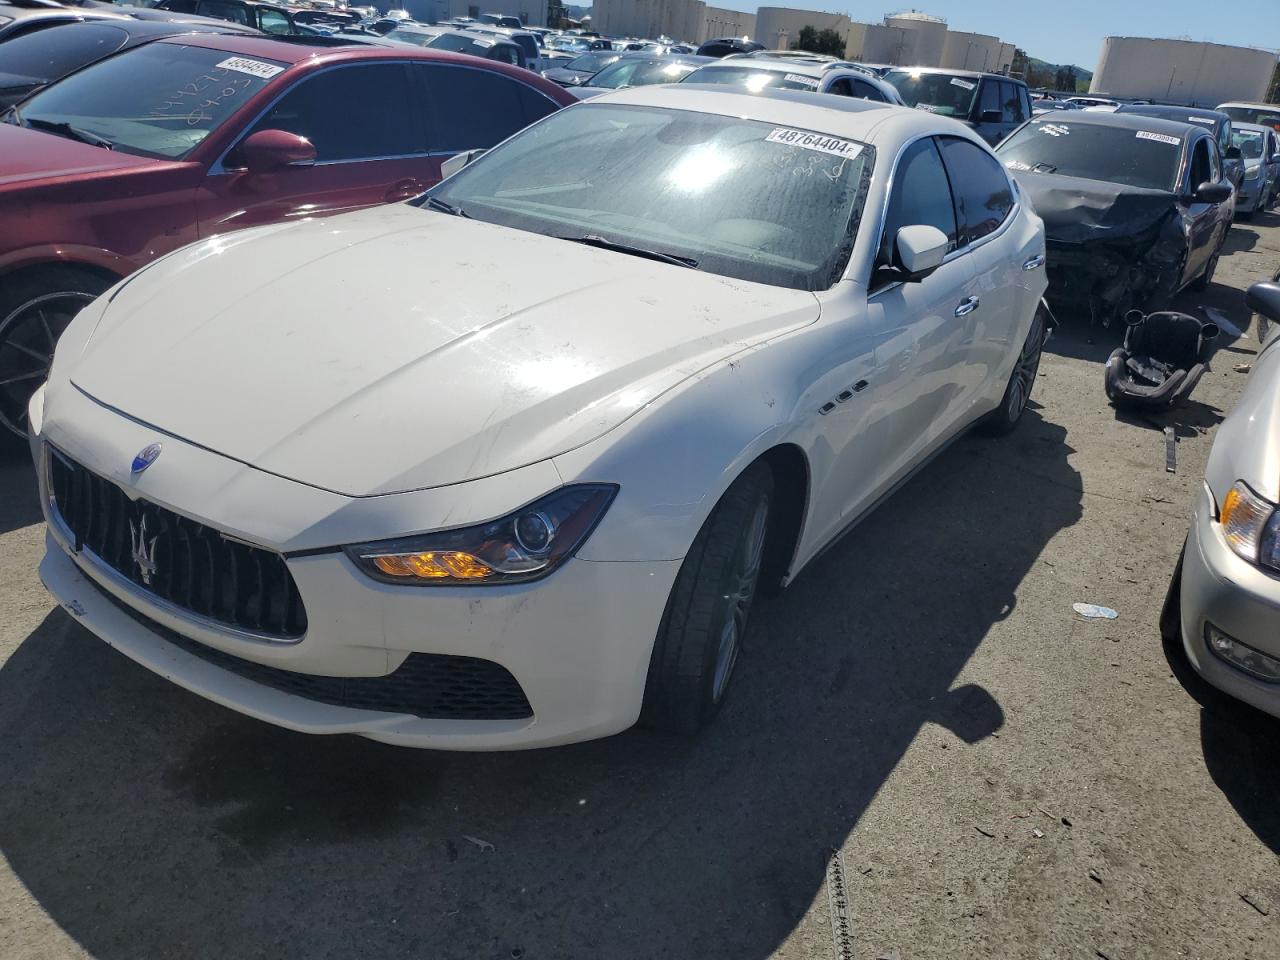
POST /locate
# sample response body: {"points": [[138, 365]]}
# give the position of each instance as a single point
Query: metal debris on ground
{"points": [[985, 833], [838, 907], [1256, 904], [1170, 450], [1037, 833], [1095, 876], [482, 844], [1242, 367], [1094, 612]]}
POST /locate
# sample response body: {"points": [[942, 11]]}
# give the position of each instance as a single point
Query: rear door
{"points": [[475, 108], [370, 139], [984, 205]]}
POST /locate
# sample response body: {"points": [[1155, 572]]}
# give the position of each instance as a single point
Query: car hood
{"points": [[398, 349], [561, 75], [29, 155], [1076, 210]]}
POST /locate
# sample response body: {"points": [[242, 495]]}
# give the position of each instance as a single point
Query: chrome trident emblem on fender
{"points": [[143, 552]]}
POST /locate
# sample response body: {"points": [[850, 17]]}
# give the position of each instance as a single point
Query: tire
{"points": [[1018, 390], [1202, 282], [34, 310], [700, 637]]}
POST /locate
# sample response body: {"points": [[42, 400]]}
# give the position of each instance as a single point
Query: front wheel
{"points": [[1018, 391], [34, 310], [1202, 282], [701, 635]]}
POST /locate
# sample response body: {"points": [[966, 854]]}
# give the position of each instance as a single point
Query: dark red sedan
{"points": [[182, 139]]}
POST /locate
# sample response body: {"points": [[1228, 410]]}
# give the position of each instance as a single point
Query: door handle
{"points": [[1034, 263], [967, 307], [402, 190]]}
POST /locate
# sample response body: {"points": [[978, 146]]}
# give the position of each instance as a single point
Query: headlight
{"points": [[524, 545], [1251, 526]]}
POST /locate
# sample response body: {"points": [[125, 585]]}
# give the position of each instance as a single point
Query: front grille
{"points": [[196, 568], [427, 685]]}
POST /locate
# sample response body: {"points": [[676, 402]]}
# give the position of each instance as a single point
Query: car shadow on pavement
{"points": [[148, 822], [19, 501], [1241, 749]]}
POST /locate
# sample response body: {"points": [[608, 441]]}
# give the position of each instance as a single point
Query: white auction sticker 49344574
{"points": [[254, 68]]}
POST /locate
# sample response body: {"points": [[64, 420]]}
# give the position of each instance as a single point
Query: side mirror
{"points": [[919, 250], [270, 151], [992, 116], [458, 161], [1233, 153], [1212, 192]]}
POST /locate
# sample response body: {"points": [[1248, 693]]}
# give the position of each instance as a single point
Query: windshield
{"points": [[569, 43], [158, 100], [419, 38], [736, 197], [476, 46], [1264, 117], [636, 73], [939, 93], [754, 79], [1070, 148], [46, 54], [1249, 142], [591, 62]]}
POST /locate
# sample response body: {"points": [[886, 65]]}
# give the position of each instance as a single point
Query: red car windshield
{"points": [[158, 100]]}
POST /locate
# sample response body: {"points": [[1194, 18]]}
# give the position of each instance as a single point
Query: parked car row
{"points": [[494, 516]]}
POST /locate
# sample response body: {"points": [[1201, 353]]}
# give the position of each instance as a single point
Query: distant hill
{"points": [[575, 11], [1040, 73]]}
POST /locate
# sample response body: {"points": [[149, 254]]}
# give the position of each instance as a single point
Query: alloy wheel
{"points": [[738, 600], [28, 336], [1025, 370]]}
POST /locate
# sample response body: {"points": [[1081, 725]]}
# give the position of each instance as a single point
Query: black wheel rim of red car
{"points": [[27, 338]]}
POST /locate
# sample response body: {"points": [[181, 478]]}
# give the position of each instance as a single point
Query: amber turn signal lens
{"points": [[433, 565]]}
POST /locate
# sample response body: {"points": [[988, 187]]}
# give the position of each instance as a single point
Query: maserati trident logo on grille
{"points": [[145, 458], [144, 551]]}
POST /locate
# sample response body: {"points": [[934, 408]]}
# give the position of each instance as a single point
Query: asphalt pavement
{"points": [[927, 754]]}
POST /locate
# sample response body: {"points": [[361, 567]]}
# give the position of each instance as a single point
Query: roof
{"points": [[864, 120], [1129, 121], [802, 67], [1169, 112], [961, 73]]}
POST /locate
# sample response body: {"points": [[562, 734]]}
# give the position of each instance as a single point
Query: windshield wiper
{"points": [[591, 240], [12, 115], [435, 203], [67, 130]]}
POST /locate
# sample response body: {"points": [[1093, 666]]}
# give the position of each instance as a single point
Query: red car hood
{"points": [[27, 155]]}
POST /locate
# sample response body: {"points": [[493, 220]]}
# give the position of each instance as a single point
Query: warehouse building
{"points": [[778, 28], [1182, 71]]}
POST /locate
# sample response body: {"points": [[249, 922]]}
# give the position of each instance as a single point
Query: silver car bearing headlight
{"points": [[523, 545], [1251, 526]]}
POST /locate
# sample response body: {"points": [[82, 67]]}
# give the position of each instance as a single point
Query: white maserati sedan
{"points": [[505, 465]]}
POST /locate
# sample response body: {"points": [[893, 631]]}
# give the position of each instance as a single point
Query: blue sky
{"points": [[1072, 31]]}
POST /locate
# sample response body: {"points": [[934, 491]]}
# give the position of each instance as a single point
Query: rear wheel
{"points": [[34, 310], [1021, 380], [701, 635]]}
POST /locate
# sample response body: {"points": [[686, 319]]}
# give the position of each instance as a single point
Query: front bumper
{"points": [[578, 643], [1238, 598]]}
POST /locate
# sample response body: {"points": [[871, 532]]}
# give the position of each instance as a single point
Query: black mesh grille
{"points": [[196, 568], [428, 685]]}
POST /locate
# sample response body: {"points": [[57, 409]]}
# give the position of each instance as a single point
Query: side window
{"points": [[274, 22], [1011, 106], [1025, 99], [983, 195], [840, 88], [535, 105], [1215, 161], [331, 109], [990, 95], [921, 194], [177, 6], [506, 54], [1200, 167], [1224, 139], [867, 92], [223, 10], [471, 108]]}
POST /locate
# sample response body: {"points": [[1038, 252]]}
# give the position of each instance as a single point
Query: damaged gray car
{"points": [[1134, 208]]}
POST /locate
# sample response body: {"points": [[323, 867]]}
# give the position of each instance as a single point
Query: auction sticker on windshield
{"points": [[1159, 138], [800, 78], [957, 82], [814, 141], [255, 68]]}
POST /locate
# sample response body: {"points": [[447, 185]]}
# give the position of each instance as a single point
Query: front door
{"points": [[370, 148]]}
